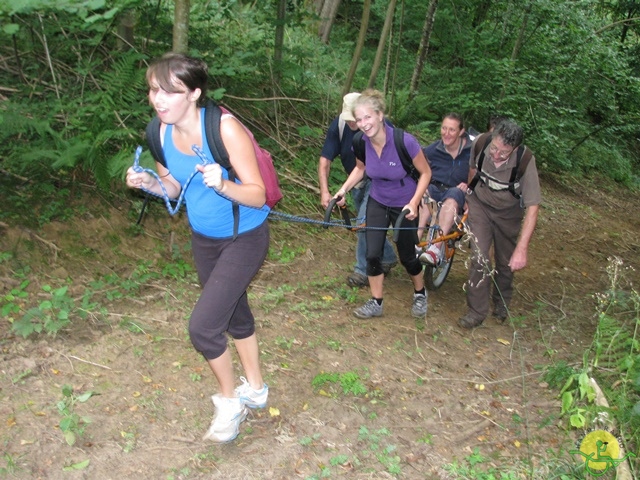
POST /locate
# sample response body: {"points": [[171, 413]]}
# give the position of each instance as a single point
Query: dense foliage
{"points": [[74, 96]]}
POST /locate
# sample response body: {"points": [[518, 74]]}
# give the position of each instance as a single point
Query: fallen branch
{"points": [[623, 470], [52, 246]]}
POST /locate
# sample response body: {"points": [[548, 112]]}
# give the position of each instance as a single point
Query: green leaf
{"points": [[11, 28], [70, 437], [567, 401], [85, 396], [67, 424], [577, 420], [77, 466]]}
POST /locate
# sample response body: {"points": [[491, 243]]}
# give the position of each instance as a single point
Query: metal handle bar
{"points": [[396, 227], [343, 211]]}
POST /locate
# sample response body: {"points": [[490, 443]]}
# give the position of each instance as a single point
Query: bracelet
{"points": [[163, 176]]}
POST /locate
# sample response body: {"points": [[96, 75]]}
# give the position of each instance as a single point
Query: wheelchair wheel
{"points": [[434, 277]]}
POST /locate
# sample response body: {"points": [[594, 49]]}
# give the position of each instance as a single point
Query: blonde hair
{"points": [[373, 98]]}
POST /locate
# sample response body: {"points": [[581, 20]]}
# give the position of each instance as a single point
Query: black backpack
{"points": [[522, 160], [398, 139]]}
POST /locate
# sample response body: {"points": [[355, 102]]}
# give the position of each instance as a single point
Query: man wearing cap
{"points": [[338, 142]]}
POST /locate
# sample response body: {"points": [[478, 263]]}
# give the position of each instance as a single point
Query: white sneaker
{"points": [[433, 256], [225, 426], [252, 398]]}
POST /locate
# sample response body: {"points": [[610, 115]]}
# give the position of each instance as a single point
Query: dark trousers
{"points": [[379, 218], [500, 228], [225, 269]]}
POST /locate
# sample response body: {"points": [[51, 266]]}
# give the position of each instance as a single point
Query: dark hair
{"points": [[510, 132], [455, 116], [373, 98], [191, 72], [494, 120]]}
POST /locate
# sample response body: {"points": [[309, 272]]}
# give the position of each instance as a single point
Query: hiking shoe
{"points": [[419, 308], [500, 312], [386, 268], [469, 321], [252, 398], [357, 280], [225, 426], [432, 256], [369, 309]]}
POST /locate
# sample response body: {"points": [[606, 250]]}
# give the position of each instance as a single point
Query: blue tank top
{"points": [[210, 214]]}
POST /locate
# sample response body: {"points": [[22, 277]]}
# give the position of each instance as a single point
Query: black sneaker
{"points": [[468, 321], [501, 313]]}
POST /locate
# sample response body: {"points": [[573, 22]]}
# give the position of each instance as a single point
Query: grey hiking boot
{"points": [[369, 309], [386, 267], [357, 280], [419, 308]]}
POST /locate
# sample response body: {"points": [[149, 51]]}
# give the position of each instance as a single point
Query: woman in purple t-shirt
{"points": [[392, 190]]}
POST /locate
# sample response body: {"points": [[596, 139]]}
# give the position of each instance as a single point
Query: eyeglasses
{"points": [[502, 155]]}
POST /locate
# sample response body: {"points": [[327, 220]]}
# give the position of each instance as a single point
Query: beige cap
{"points": [[348, 101]]}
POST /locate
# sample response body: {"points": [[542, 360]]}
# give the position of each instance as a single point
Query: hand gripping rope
{"points": [[165, 196]]}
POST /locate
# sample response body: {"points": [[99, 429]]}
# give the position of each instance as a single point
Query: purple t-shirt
{"points": [[390, 183]]}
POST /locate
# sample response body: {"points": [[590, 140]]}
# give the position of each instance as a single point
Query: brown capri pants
{"points": [[225, 269]]}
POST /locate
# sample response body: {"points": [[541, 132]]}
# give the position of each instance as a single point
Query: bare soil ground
{"points": [[434, 392]]}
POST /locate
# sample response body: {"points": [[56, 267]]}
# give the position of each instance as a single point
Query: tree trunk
{"points": [[366, 12], [481, 13], [516, 49], [523, 30], [279, 40], [391, 8], [424, 47], [181, 26], [126, 29], [327, 18], [390, 78]]}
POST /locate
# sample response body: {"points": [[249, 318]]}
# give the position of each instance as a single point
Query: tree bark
{"points": [[523, 30], [126, 30], [424, 47], [279, 40], [391, 8], [327, 14], [181, 26], [390, 76], [366, 12], [481, 13]]}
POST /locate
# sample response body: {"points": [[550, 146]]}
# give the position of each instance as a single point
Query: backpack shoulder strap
{"points": [[213, 113], [403, 153], [522, 160], [478, 149], [152, 134], [212, 116], [358, 146]]}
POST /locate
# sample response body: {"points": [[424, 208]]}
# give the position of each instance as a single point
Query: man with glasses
{"points": [[503, 214]]}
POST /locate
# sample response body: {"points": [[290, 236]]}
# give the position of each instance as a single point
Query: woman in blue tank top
{"points": [[226, 264]]}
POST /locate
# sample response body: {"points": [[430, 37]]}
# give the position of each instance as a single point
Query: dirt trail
{"points": [[432, 393]]}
